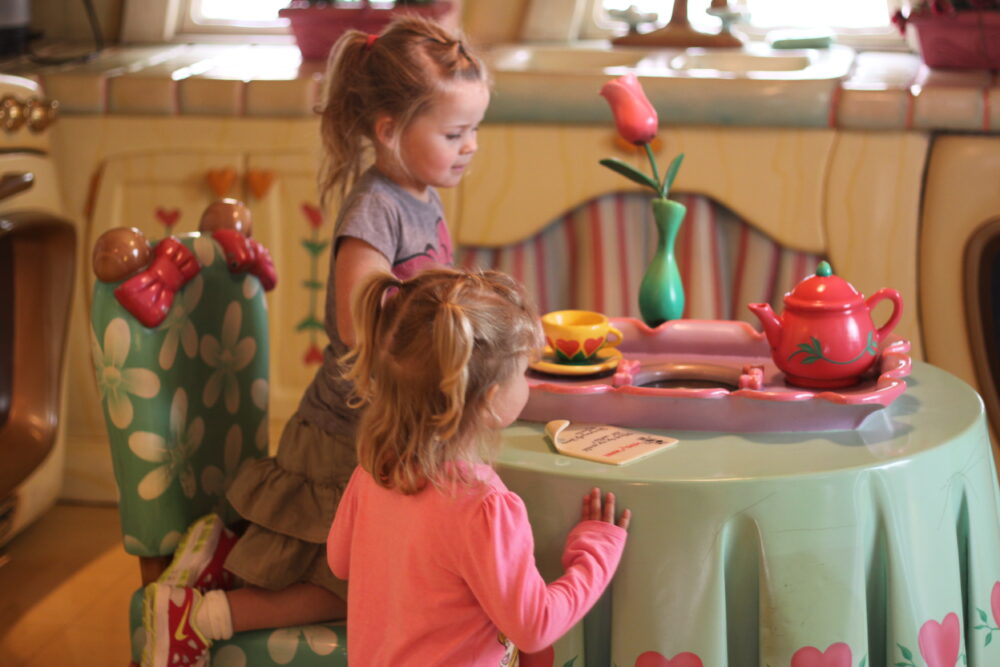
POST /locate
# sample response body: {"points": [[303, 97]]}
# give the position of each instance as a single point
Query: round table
{"points": [[877, 546]]}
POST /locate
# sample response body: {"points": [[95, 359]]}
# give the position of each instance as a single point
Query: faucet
{"points": [[678, 32]]}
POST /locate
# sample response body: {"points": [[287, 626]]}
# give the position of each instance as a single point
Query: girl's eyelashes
{"points": [[454, 136]]}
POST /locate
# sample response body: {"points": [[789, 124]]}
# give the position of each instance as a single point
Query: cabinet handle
{"points": [[14, 183]]}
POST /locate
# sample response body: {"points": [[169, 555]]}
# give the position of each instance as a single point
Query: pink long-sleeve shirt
{"points": [[450, 579]]}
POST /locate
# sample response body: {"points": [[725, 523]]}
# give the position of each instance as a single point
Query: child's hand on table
{"points": [[593, 511]]}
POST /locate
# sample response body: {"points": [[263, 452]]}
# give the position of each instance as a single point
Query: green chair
{"points": [[185, 400]]}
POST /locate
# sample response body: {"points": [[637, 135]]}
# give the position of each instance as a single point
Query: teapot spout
{"points": [[772, 325]]}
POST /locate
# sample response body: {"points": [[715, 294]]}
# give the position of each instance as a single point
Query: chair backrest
{"points": [[185, 400]]}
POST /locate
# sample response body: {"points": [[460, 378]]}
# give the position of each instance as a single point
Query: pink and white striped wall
{"points": [[594, 257]]}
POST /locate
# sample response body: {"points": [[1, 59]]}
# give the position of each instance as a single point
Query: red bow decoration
{"points": [[244, 255], [148, 295]]}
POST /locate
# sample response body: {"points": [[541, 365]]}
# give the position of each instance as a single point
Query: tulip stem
{"points": [[656, 171]]}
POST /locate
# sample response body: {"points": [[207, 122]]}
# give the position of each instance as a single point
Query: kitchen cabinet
{"points": [[961, 204], [158, 175]]}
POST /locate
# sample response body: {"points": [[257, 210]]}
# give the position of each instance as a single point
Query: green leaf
{"points": [[309, 322], [630, 172], [982, 615], [863, 662], [906, 652], [668, 180], [312, 284], [989, 638], [571, 661], [315, 247]]}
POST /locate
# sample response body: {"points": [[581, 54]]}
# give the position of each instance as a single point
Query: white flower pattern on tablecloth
{"points": [[178, 324], [174, 452], [215, 481], [283, 643], [114, 379], [227, 357]]}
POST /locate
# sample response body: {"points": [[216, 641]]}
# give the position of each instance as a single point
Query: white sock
{"points": [[213, 617]]}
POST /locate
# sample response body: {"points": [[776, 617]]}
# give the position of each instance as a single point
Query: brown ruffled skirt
{"points": [[289, 501]]}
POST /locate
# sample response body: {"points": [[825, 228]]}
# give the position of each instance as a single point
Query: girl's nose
{"points": [[470, 145]]}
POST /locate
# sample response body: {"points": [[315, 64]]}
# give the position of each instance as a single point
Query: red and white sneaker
{"points": [[172, 639], [201, 555]]}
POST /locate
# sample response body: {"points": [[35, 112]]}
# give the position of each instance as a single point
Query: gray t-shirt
{"points": [[412, 235]]}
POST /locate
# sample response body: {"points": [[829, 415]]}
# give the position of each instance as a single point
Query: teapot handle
{"points": [[897, 310]]}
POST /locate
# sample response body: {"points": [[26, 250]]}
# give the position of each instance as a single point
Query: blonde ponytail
{"points": [[427, 353]]}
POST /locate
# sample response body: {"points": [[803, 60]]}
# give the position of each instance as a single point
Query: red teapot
{"points": [[825, 338]]}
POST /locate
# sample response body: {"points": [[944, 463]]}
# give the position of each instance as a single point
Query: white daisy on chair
{"points": [[215, 481], [283, 643], [174, 452], [180, 329], [227, 356], [115, 380]]}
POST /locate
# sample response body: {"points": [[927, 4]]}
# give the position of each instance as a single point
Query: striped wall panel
{"points": [[594, 256]]}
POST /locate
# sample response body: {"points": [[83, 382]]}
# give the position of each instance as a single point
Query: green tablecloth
{"points": [[879, 546]]}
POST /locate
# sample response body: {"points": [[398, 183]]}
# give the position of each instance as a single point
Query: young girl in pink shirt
{"points": [[438, 554]]}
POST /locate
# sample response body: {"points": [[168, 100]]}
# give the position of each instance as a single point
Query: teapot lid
{"points": [[824, 291]]}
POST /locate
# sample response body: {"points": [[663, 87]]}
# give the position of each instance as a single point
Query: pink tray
{"points": [[717, 352]]}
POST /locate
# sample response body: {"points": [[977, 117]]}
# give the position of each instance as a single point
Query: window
{"points": [[204, 20], [860, 23]]}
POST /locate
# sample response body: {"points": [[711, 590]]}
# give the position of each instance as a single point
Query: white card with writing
{"points": [[603, 443]]}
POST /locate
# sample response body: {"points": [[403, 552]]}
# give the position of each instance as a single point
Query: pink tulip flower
{"points": [[635, 117]]}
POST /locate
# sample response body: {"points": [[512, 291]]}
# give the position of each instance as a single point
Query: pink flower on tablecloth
{"points": [[655, 659], [995, 602], [836, 655], [940, 642]]}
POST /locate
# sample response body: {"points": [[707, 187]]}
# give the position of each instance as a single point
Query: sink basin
{"points": [[755, 61], [563, 58], [753, 85], [739, 62]]}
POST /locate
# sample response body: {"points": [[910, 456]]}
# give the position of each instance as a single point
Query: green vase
{"points": [[661, 294]]}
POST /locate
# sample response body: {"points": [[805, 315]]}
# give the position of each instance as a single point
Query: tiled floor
{"points": [[64, 591]]}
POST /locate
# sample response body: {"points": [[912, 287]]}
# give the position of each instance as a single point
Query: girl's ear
{"points": [[385, 129], [491, 394]]}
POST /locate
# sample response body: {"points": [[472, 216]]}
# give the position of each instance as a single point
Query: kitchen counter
{"points": [[882, 91]]}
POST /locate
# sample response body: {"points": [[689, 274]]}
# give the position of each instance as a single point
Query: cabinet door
{"points": [[160, 193], [281, 192]]}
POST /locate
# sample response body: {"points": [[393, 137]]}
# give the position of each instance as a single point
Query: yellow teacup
{"points": [[576, 336]]}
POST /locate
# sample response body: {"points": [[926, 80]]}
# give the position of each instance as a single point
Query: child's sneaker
{"points": [[171, 638], [200, 556]]}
